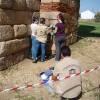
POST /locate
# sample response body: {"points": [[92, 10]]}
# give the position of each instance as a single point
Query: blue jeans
{"points": [[42, 45], [33, 49]]}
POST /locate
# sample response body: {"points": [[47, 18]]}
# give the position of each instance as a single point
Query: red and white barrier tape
{"points": [[34, 85]]}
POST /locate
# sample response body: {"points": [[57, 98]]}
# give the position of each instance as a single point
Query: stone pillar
{"points": [[49, 9], [15, 19]]}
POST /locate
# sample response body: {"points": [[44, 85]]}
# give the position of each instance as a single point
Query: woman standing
{"points": [[59, 35], [41, 38], [33, 38]]}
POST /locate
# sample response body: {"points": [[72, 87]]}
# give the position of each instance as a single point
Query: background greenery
{"points": [[89, 29]]}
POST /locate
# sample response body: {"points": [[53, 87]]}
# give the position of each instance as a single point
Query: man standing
{"points": [[68, 88]]}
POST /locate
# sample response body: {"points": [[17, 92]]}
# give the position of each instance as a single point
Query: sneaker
{"points": [[34, 61], [42, 60]]}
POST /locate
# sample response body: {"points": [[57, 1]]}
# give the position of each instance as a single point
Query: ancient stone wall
{"points": [[15, 19], [49, 9]]}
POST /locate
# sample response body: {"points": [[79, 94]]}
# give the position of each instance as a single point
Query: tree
{"points": [[79, 16], [97, 17]]}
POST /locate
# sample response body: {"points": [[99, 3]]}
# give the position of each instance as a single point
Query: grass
{"points": [[89, 29]]}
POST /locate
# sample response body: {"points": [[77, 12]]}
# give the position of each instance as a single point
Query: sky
{"points": [[92, 5]]}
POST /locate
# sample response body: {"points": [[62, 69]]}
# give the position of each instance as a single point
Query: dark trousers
{"points": [[59, 42]]}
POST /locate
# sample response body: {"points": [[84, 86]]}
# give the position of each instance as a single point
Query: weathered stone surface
{"points": [[36, 14], [27, 52], [49, 15], [18, 57], [29, 32], [53, 22], [33, 5], [61, 1], [19, 4], [55, 1], [6, 62], [6, 32], [5, 4], [50, 52], [50, 46], [13, 46], [15, 17], [73, 3], [20, 31], [46, 1]]}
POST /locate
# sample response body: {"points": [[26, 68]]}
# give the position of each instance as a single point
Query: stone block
{"points": [[50, 52], [50, 46], [36, 14], [27, 52], [55, 1], [20, 31], [61, 1], [46, 1], [18, 57], [53, 22], [33, 5], [6, 62], [6, 32], [19, 4], [49, 15], [73, 29], [13, 46], [29, 32], [5, 4], [14, 17]]}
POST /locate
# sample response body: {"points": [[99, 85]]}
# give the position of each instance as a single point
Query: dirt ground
{"points": [[26, 72]]}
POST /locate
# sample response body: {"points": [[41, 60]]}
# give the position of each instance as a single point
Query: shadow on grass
{"points": [[88, 31]]}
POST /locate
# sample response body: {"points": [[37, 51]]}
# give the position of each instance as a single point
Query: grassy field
{"points": [[89, 29]]}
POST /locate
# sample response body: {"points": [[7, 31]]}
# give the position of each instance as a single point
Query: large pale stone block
{"points": [[6, 32], [15, 17], [53, 22], [33, 5], [18, 57], [6, 62], [13, 46], [53, 15], [55, 1], [49, 15], [20, 31], [61, 1], [46, 1], [19, 4], [6, 4]]}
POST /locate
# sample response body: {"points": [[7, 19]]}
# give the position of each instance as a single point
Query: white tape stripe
{"points": [[22, 87], [62, 78], [6, 90], [34, 85]]}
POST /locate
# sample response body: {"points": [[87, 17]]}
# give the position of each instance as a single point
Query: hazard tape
{"points": [[38, 84]]}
